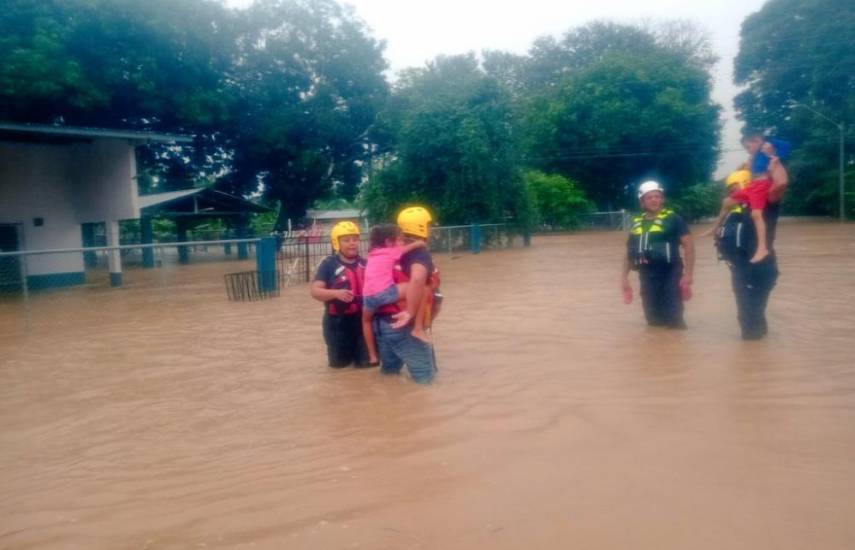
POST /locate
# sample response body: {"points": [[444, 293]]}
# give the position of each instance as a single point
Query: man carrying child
{"points": [[393, 325]]}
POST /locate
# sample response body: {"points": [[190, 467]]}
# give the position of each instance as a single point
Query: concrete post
{"points": [[475, 238], [242, 232], [183, 251], [114, 256], [227, 247]]}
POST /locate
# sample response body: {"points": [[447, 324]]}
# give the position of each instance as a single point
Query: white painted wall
{"points": [[65, 185], [34, 183], [105, 174]]}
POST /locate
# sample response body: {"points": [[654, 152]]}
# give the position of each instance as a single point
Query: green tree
{"points": [[622, 119], [282, 97], [800, 50], [311, 84], [454, 146], [559, 202], [156, 65], [701, 200]]}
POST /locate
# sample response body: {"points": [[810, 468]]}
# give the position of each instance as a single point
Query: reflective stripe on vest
{"points": [[638, 231]]}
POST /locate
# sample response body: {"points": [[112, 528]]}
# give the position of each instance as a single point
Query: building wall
{"points": [[105, 181], [35, 183], [65, 185]]}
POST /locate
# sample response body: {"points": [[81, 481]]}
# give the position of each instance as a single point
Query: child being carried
{"points": [[763, 160], [379, 289]]}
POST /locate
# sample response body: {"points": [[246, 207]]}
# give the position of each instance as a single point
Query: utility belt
{"points": [[642, 252]]}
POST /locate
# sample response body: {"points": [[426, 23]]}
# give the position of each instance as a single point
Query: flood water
{"points": [[169, 418]]}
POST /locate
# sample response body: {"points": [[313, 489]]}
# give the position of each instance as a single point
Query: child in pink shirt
{"points": [[379, 288]]}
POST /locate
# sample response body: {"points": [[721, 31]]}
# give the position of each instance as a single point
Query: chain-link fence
{"points": [[49, 287], [605, 221], [472, 238], [299, 257], [45, 288]]}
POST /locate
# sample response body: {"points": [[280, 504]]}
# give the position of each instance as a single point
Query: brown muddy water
{"points": [[167, 418]]}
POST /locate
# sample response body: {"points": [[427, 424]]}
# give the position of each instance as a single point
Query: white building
{"points": [[53, 179]]}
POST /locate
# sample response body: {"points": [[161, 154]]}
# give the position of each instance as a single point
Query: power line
{"points": [[633, 154]]}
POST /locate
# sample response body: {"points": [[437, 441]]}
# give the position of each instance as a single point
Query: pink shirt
{"points": [[379, 273]]}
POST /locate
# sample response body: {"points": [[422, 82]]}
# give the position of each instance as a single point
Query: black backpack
{"points": [[736, 239]]}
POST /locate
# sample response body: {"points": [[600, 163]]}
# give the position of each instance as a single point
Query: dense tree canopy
{"points": [[453, 148], [309, 85], [289, 99], [801, 50], [281, 97], [605, 105], [617, 104]]}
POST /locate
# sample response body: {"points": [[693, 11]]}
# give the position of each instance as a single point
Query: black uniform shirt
{"points": [[770, 216], [417, 256]]}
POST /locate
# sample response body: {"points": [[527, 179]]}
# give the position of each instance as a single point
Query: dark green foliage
{"points": [[801, 50], [618, 104], [694, 202], [453, 146], [282, 96], [288, 99], [559, 203]]}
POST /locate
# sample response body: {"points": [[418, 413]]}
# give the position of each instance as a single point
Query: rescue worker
{"points": [[736, 234], [737, 242], [338, 284], [395, 343], [653, 249]]}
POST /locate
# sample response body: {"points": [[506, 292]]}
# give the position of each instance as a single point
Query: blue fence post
{"points": [[89, 258], [242, 248], [265, 259], [475, 238], [227, 247]]}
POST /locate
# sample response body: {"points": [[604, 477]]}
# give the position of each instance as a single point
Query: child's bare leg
{"points": [[760, 227], [402, 290], [368, 334], [419, 325]]}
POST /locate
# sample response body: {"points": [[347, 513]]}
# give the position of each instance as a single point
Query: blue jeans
{"points": [[385, 297], [397, 347]]}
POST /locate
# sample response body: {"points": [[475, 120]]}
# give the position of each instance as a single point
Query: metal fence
{"points": [[472, 238], [49, 287], [298, 258], [617, 220]]}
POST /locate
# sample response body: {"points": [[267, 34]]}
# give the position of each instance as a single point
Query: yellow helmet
{"points": [[342, 229], [741, 178], [414, 221]]}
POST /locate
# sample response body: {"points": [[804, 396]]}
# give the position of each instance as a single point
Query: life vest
{"points": [[649, 245], [351, 279], [432, 287], [736, 238]]}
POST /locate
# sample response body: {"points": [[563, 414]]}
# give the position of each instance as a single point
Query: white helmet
{"points": [[649, 186]]}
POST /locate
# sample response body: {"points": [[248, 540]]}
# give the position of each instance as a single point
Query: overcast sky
{"points": [[418, 30]]}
